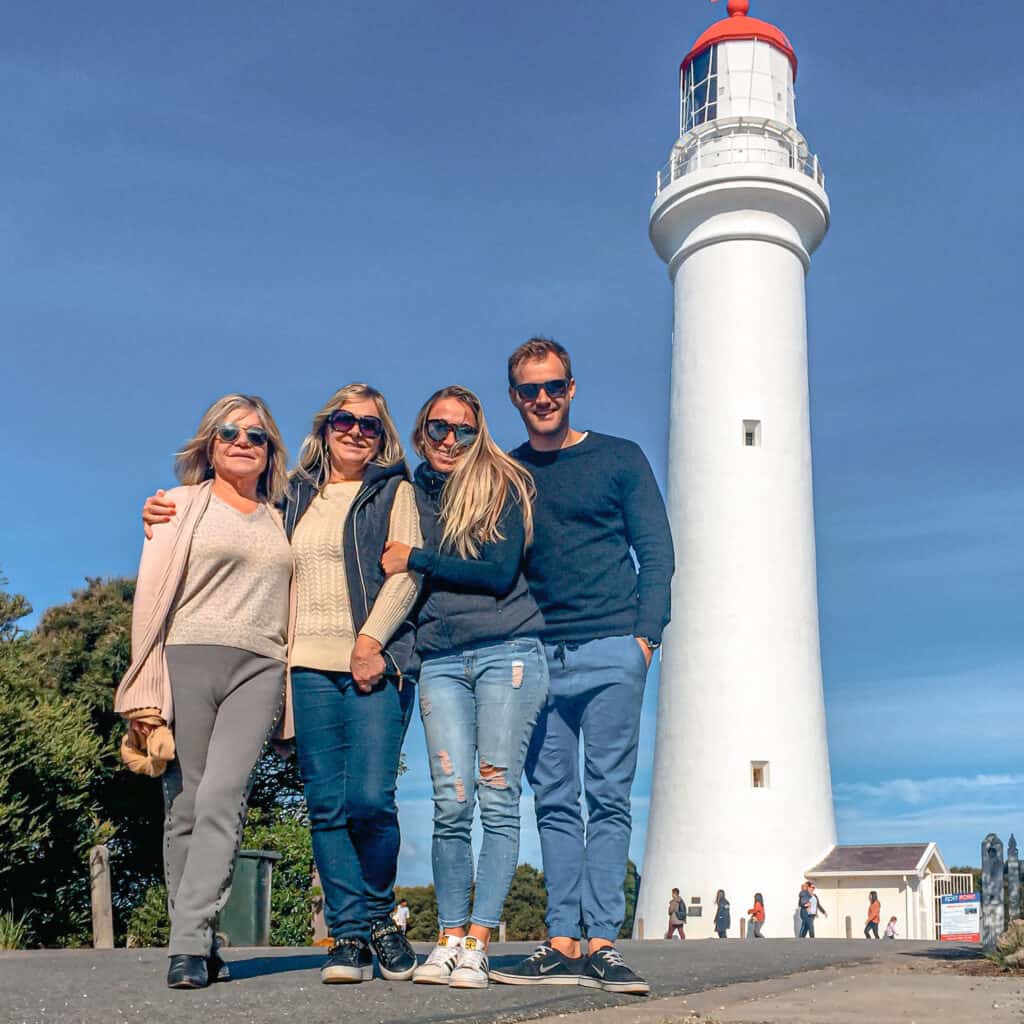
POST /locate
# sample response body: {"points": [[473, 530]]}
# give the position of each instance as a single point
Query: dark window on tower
{"points": [[700, 89], [752, 433]]}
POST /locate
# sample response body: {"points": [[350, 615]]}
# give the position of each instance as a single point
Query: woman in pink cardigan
{"points": [[211, 624]]}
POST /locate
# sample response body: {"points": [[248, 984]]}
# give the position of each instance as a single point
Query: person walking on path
{"points": [[874, 916], [597, 506], [484, 676], [211, 623], [803, 902], [400, 916], [814, 908], [756, 917], [352, 669], [676, 915], [723, 917]]}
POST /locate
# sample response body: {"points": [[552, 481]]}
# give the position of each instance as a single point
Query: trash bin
{"points": [[245, 919]]}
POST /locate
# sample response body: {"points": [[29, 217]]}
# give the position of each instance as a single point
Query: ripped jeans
{"points": [[483, 701]]}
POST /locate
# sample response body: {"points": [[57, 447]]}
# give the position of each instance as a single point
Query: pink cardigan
{"points": [[147, 682]]}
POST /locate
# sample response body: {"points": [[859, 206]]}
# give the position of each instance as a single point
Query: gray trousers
{"points": [[226, 702]]}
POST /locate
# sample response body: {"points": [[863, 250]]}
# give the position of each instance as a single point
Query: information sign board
{"points": [[961, 917]]}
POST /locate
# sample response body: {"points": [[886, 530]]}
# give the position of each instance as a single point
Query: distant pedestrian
{"points": [[803, 902], [874, 916], [676, 915], [400, 915], [814, 908], [890, 928], [756, 915], [723, 919]]}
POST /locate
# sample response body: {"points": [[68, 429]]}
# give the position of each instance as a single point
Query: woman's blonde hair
{"points": [[194, 463], [315, 456], [476, 492]]}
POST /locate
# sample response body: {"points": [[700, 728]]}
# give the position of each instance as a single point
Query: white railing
{"points": [[740, 140]]}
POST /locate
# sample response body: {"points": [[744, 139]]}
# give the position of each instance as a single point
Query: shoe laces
{"points": [[472, 957], [612, 957], [542, 952], [446, 951]]}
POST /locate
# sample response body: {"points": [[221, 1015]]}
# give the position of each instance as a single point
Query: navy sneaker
{"points": [[607, 970], [348, 961], [394, 954], [544, 966]]}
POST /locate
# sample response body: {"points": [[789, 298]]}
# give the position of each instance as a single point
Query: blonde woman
{"points": [[352, 666], [210, 628], [484, 676]]}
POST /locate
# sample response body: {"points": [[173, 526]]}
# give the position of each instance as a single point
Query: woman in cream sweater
{"points": [[210, 627]]}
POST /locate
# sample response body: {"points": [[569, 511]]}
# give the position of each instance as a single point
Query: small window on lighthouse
{"points": [[752, 433], [759, 774], [700, 89]]}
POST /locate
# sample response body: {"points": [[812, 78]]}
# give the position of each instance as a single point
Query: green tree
{"points": [[631, 887], [422, 911], [525, 904]]}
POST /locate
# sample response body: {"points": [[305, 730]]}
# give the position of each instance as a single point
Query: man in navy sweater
{"points": [[597, 505]]}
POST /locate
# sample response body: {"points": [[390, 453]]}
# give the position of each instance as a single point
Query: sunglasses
{"points": [[228, 432], [369, 426], [438, 430], [553, 388]]}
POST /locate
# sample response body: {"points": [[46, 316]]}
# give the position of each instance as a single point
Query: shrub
{"points": [[13, 931], [148, 923]]}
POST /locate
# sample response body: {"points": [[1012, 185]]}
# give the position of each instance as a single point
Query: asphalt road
{"points": [[270, 985]]}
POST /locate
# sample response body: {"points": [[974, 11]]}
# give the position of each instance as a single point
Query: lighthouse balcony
{"points": [[740, 140]]}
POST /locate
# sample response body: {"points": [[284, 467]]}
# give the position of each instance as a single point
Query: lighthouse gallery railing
{"points": [[740, 140]]}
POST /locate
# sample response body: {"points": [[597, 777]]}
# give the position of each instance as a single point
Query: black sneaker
{"points": [[606, 969], [394, 954], [544, 966], [348, 961]]}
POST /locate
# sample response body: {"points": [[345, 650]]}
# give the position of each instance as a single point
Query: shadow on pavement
{"points": [[259, 966], [948, 953]]}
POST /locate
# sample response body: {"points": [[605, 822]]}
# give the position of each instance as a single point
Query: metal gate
{"points": [[948, 885]]}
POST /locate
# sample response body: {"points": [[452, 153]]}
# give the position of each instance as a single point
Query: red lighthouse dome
{"points": [[739, 26]]}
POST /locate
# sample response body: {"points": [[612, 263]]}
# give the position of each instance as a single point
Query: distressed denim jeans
{"points": [[597, 690], [349, 744], [479, 703]]}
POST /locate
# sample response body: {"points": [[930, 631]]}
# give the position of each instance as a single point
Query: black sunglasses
{"points": [[228, 432], [369, 426], [438, 430], [553, 388]]}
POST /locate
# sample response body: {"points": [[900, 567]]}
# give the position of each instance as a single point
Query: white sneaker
{"points": [[438, 967], [471, 970]]}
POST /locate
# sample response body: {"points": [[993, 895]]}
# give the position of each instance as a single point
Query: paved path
{"points": [[92, 987]]}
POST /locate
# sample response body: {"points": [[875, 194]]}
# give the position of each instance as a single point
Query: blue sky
{"points": [[207, 198]]}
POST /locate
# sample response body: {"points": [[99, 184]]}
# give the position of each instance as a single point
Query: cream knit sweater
{"points": [[324, 631]]}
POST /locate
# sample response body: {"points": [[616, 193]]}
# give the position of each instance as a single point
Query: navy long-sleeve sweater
{"points": [[597, 500]]}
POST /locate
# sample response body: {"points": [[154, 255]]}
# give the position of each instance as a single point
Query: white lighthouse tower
{"points": [[741, 795]]}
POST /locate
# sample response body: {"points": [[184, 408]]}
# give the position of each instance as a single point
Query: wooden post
{"points": [[317, 908], [102, 904], [743, 927], [640, 928], [502, 931], [849, 927]]}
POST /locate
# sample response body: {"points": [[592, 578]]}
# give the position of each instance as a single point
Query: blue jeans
{"points": [[349, 744], [484, 702], [597, 689]]}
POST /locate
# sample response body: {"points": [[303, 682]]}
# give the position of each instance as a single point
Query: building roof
{"points": [[736, 25], [883, 859]]}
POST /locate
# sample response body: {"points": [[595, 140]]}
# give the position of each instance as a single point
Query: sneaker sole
{"points": [[427, 979], [513, 979], [185, 984], [468, 983], [346, 975], [629, 988], [396, 975]]}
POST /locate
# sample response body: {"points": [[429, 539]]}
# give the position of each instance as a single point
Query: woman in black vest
{"points": [[483, 678]]}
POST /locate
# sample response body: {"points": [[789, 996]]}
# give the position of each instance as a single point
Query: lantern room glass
{"points": [[699, 89]]}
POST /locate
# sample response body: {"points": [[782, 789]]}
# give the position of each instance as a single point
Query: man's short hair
{"points": [[538, 348]]}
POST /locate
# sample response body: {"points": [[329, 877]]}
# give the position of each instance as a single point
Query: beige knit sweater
{"points": [[164, 561], [324, 630]]}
